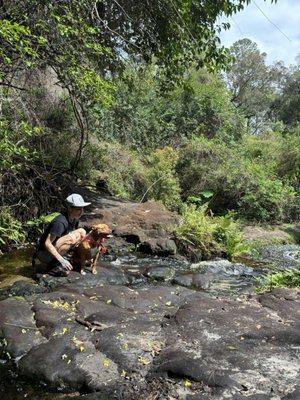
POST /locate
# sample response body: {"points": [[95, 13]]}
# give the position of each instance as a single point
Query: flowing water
{"points": [[215, 277]]}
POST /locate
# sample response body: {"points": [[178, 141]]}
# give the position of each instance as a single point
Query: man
{"points": [[60, 236]]}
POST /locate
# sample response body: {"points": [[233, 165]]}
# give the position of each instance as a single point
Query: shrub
{"points": [[237, 183], [203, 235], [11, 230], [121, 170], [164, 182], [287, 278]]}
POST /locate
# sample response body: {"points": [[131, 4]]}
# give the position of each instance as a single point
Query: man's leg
{"points": [[62, 245], [65, 243]]}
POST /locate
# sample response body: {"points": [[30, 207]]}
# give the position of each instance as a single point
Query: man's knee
{"points": [[82, 232], [77, 235]]}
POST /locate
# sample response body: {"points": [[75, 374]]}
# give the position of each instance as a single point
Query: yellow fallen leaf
{"points": [[23, 330], [125, 346], [123, 373], [81, 348], [64, 330], [231, 347], [106, 363], [144, 360], [187, 383], [168, 303], [68, 361], [64, 356], [258, 326], [108, 301]]}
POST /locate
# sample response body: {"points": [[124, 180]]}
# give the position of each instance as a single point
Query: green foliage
{"points": [[210, 235], [119, 168], [287, 278], [11, 230], [286, 105], [164, 182], [239, 183], [14, 144], [253, 83], [228, 234], [37, 225], [144, 116]]}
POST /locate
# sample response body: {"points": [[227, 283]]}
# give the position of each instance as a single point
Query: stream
{"points": [[214, 277]]}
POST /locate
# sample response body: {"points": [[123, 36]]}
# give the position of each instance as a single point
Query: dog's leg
{"points": [[94, 263], [81, 262]]}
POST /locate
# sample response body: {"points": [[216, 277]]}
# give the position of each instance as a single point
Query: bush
{"points": [[120, 169], [237, 183], [288, 278], [164, 182], [11, 230], [202, 236]]}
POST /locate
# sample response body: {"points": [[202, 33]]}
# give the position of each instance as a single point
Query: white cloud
{"points": [[251, 23]]}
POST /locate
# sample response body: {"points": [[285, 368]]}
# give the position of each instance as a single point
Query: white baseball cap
{"points": [[75, 200]]}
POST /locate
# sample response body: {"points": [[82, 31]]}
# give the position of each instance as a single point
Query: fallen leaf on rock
{"points": [[168, 303], [144, 360], [231, 348], [23, 330], [106, 363], [187, 383], [108, 301]]}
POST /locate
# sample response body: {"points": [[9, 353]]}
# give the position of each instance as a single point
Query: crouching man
{"points": [[61, 235]]}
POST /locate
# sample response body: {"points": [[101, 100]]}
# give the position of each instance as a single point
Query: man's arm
{"points": [[52, 250]]}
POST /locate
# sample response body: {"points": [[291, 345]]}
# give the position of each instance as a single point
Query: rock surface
{"points": [[98, 334], [147, 226]]}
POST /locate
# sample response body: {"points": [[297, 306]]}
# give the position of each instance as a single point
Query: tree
{"points": [[253, 83], [286, 107]]}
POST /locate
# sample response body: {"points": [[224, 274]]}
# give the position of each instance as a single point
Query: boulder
{"points": [[147, 226]]}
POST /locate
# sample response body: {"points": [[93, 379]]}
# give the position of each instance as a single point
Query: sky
{"points": [[252, 24]]}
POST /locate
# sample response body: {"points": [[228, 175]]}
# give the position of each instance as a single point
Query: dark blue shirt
{"points": [[58, 227]]}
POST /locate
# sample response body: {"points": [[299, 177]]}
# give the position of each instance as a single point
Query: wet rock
{"points": [[18, 332], [161, 273], [217, 275], [64, 365], [184, 280], [126, 342], [24, 288], [281, 257]]}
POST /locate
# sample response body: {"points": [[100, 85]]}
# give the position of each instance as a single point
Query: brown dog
{"points": [[83, 253]]}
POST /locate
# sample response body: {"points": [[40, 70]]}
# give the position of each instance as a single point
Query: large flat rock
{"points": [[134, 342]]}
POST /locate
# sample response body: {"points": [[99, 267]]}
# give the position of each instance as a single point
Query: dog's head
{"points": [[101, 230]]}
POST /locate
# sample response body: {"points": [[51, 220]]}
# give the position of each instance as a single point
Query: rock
{"points": [[18, 332], [161, 273], [24, 288], [146, 225], [65, 366], [88, 335]]}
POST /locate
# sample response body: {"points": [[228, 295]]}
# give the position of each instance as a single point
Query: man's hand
{"points": [[66, 264]]}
